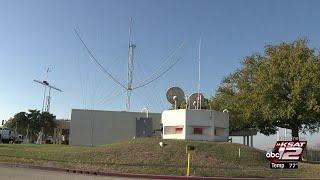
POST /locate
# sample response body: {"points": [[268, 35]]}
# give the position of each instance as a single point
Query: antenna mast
{"points": [[46, 101], [163, 69], [199, 76], [131, 47], [46, 98]]}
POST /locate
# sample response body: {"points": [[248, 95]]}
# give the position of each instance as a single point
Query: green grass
{"points": [[145, 156]]}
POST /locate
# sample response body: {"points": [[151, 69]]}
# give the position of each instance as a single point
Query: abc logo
{"points": [[272, 155]]}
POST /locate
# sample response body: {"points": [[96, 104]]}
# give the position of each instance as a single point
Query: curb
{"points": [[129, 175]]}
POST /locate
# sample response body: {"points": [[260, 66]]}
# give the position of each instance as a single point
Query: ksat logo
{"points": [[287, 151]]}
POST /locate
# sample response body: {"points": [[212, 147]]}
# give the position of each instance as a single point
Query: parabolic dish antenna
{"points": [[193, 100], [175, 96]]}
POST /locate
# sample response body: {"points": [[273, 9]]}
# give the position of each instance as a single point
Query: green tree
{"points": [[9, 123], [32, 122], [227, 98], [18, 122], [48, 123], [280, 88]]}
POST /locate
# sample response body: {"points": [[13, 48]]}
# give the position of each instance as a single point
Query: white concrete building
{"points": [[208, 125], [94, 127]]}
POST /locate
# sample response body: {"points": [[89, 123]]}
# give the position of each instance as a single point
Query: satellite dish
{"points": [[193, 100], [175, 96]]}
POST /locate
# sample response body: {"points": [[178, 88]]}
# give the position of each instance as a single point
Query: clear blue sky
{"points": [[38, 34]]}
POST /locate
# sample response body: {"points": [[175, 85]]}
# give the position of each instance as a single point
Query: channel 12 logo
{"points": [[286, 153]]}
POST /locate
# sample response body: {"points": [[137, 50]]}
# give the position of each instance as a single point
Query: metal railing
{"points": [[312, 154]]}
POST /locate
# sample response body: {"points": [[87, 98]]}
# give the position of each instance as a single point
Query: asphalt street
{"points": [[7, 173]]}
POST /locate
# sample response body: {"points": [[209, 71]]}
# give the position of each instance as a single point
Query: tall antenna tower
{"points": [[199, 75], [128, 87], [131, 47]]}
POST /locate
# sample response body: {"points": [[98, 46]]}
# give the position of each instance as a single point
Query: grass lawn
{"points": [[145, 156]]}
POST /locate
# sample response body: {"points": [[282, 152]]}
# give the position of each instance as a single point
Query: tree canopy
{"points": [[279, 88], [32, 121]]}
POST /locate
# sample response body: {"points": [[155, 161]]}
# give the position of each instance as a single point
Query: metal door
{"points": [[144, 127]]}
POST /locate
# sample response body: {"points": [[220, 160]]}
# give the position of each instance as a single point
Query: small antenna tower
{"points": [[199, 76], [46, 100], [46, 97]]}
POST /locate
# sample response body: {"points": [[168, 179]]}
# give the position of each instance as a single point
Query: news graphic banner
{"points": [[286, 153]]}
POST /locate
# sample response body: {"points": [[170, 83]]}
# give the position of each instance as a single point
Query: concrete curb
{"points": [[129, 175]]}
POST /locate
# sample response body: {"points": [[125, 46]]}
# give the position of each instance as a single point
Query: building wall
{"points": [[214, 125], [173, 119], [94, 127]]}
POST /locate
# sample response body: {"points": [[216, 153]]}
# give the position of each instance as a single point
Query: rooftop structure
{"points": [[195, 124]]}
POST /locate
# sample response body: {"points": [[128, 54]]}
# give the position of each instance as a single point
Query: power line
{"points": [[157, 77], [146, 82], [97, 62], [154, 89]]}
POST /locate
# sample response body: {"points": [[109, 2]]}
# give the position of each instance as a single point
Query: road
{"points": [[17, 173], [7, 173]]}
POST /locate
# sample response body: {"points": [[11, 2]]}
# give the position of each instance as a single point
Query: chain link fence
{"points": [[312, 154]]}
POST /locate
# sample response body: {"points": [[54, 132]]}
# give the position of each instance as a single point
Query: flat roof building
{"points": [[95, 127], [208, 125]]}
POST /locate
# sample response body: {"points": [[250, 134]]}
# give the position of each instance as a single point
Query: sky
{"points": [[35, 35]]}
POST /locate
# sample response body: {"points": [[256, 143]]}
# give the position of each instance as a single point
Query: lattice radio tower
{"points": [[164, 68]]}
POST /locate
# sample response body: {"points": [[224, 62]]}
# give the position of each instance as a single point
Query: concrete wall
{"points": [[94, 127], [210, 121], [174, 118], [214, 124]]}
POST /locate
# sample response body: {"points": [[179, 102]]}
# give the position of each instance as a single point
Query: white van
{"points": [[6, 135]]}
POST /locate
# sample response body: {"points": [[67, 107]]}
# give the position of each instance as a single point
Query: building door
{"points": [[144, 127]]}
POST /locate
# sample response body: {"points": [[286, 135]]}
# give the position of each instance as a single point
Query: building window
{"points": [[197, 130], [179, 130], [173, 129]]}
